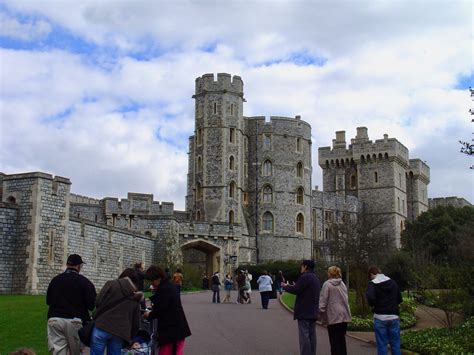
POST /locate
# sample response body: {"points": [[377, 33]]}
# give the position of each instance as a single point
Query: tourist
{"points": [[205, 282], [334, 310], [70, 297], [215, 287], [265, 287], [241, 286], [117, 316], [167, 309], [384, 297], [279, 280], [228, 288], [248, 286], [306, 290], [178, 280]]}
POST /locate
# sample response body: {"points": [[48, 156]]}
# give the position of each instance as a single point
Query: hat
{"points": [[74, 259], [308, 263]]}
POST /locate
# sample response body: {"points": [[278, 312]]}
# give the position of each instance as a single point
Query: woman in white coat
{"points": [[265, 287]]}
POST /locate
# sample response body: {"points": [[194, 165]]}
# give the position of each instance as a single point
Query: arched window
{"points": [[199, 136], [353, 182], [267, 194], [298, 144], [231, 217], [267, 168], [300, 196], [231, 163], [376, 177], [215, 108], [148, 233], [198, 191], [11, 199], [299, 170], [300, 223], [232, 135], [198, 215], [232, 190], [267, 220], [232, 109], [199, 164]]}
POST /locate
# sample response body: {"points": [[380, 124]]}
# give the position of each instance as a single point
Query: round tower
{"points": [[216, 150]]}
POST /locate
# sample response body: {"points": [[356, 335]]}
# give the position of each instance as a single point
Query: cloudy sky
{"points": [[100, 91]]}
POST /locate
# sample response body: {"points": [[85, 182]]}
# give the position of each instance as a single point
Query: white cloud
{"points": [[25, 31]]}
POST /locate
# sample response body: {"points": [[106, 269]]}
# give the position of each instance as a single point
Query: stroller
{"points": [[142, 342]]}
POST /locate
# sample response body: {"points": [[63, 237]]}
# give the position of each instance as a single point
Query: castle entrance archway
{"points": [[202, 256]]}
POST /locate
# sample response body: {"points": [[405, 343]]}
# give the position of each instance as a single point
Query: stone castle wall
{"points": [[8, 252]]}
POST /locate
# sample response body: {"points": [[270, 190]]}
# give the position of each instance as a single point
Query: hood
{"points": [[335, 282], [384, 283], [380, 278]]}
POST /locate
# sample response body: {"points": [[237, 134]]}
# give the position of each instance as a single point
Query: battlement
{"points": [[420, 169], [277, 121], [137, 204], [85, 200], [224, 83], [36, 175]]}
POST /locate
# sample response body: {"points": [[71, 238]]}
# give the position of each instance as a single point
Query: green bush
{"points": [[366, 324], [459, 340], [192, 278]]}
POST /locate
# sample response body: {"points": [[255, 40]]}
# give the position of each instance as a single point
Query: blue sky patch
{"points": [[465, 81]]}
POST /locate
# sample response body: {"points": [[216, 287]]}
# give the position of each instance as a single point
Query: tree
{"points": [[359, 243]]}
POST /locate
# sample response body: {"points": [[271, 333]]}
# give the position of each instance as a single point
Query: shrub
{"points": [[366, 324], [192, 277]]}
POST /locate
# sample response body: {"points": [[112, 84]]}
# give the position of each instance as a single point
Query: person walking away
{"points": [[265, 287], [306, 290], [117, 317], [384, 296], [228, 288], [279, 280], [241, 285], [216, 285], [248, 286], [178, 279], [334, 310], [173, 327], [70, 297]]}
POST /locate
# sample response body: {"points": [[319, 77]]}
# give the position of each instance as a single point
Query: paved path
{"points": [[247, 329]]}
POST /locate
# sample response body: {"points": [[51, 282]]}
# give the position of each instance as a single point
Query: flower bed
{"points": [[366, 324]]}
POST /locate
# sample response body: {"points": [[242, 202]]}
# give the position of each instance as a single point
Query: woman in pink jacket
{"points": [[334, 310]]}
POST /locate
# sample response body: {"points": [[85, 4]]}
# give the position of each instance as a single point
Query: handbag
{"points": [[85, 333]]}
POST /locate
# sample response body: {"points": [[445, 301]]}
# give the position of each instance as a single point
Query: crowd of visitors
{"points": [[122, 322]]}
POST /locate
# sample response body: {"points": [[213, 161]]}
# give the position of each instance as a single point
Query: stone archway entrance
{"points": [[203, 256]]}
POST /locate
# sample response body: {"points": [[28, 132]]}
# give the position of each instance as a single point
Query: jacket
{"points": [[70, 295], [383, 295], [264, 283], [122, 320], [167, 308], [334, 302], [306, 290]]}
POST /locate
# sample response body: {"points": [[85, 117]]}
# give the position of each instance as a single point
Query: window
{"points": [[267, 222], [267, 194], [231, 109], [400, 180], [231, 217], [198, 191], [246, 170], [353, 182], [267, 168], [199, 136], [198, 215], [215, 108], [314, 218], [231, 163], [232, 190], [246, 142], [51, 247], [267, 141], [298, 144], [398, 204], [199, 164], [300, 196], [232, 135], [403, 206], [246, 198], [299, 223], [299, 170], [376, 177]]}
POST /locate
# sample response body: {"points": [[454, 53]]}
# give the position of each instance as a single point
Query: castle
{"points": [[249, 199]]}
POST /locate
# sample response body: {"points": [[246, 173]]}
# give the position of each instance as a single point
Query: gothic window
{"points": [[198, 215], [231, 109], [300, 196], [199, 164], [267, 168], [246, 198], [267, 141], [231, 163], [298, 144], [246, 169], [232, 190], [267, 194], [198, 191], [300, 223], [231, 217], [398, 204], [215, 108], [403, 206], [199, 136], [299, 170], [376, 177], [400, 180], [232, 135], [353, 181], [267, 222]]}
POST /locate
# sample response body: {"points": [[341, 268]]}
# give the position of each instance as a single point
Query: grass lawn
{"points": [[23, 323], [288, 299]]}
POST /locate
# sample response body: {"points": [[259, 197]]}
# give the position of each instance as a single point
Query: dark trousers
{"points": [[307, 336], [216, 297], [337, 338], [265, 295]]}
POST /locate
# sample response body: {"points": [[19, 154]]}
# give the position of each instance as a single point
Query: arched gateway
{"points": [[202, 255]]}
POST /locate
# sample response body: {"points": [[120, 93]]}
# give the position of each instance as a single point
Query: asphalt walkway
{"points": [[248, 329]]}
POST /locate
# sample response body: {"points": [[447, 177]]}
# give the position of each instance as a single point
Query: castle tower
{"points": [[417, 180], [216, 150]]}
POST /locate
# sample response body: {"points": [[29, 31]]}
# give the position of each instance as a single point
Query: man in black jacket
{"points": [[384, 296], [70, 297], [306, 290]]}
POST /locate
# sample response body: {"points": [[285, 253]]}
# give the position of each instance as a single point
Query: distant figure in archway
{"points": [[216, 285]]}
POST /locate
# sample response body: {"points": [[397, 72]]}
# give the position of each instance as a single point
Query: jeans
{"points": [[101, 340], [337, 338], [265, 295], [307, 336], [387, 332]]}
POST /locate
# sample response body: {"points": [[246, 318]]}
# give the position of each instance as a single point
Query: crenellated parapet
{"points": [[419, 169], [225, 83], [137, 204]]}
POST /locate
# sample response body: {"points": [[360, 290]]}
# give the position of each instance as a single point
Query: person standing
{"points": [[178, 280], [172, 326], [384, 296], [248, 286], [215, 286], [228, 288], [265, 287], [70, 297], [240, 279], [306, 290], [117, 317], [279, 280], [334, 310]]}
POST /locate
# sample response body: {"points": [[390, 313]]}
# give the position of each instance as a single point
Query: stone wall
{"points": [[449, 201], [8, 257]]}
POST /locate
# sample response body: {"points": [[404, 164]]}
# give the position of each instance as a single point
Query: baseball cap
{"points": [[309, 264], [74, 259]]}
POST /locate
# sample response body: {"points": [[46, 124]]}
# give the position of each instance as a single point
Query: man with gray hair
{"points": [[70, 297]]}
